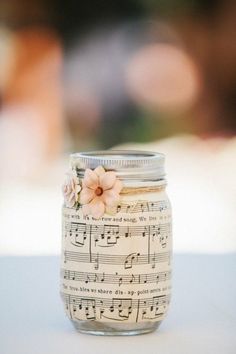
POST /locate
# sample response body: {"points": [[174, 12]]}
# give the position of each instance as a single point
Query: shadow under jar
{"points": [[116, 268]]}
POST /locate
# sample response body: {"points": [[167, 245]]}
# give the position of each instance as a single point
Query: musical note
{"points": [[128, 209], [106, 235], [77, 232], [124, 311], [96, 261], [155, 308], [132, 279], [83, 309], [119, 310], [153, 260], [90, 310], [146, 231], [144, 278], [130, 259], [87, 280]]}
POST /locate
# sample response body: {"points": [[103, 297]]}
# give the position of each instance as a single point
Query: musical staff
{"points": [[115, 308], [127, 261], [116, 278], [143, 207], [109, 235], [140, 207], [108, 302]]}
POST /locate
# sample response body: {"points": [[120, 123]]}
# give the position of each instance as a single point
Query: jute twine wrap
{"points": [[140, 190]]}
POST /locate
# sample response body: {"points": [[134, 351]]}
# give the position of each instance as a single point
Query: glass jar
{"points": [[116, 242]]}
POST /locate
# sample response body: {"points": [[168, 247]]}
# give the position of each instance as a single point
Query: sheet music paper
{"points": [[118, 268]]}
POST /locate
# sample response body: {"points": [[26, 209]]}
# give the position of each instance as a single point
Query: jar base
{"points": [[108, 329]]}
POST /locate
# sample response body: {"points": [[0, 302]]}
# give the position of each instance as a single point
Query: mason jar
{"points": [[116, 242]]}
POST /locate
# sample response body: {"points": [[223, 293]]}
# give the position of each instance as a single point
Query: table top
{"points": [[201, 319]]}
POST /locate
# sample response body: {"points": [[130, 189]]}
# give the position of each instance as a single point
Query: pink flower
{"points": [[71, 189], [100, 191]]}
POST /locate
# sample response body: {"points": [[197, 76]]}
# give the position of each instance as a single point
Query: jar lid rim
{"points": [[128, 164], [118, 154]]}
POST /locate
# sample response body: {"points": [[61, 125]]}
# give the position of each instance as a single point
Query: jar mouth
{"points": [[118, 154], [128, 164]]}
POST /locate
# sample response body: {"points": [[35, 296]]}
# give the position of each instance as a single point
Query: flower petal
{"points": [[107, 180], [99, 171], [86, 209], [111, 210], [97, 208], [69, 204], [86, 195], [90, 179], [73, 183], [117, 186], [72, 198], [65, 189], [110, 197]]}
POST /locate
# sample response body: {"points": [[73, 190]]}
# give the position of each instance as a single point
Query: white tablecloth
{"points": [[202, 316]]}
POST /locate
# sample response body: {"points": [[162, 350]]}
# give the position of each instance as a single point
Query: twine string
{"points": [[140, 190]]}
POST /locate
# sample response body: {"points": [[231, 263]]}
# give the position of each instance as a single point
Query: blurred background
{"points": [[139, 74]]}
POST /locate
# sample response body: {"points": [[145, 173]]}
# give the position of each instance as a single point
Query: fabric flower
{"points": [[71, 189], [100, 191]]}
